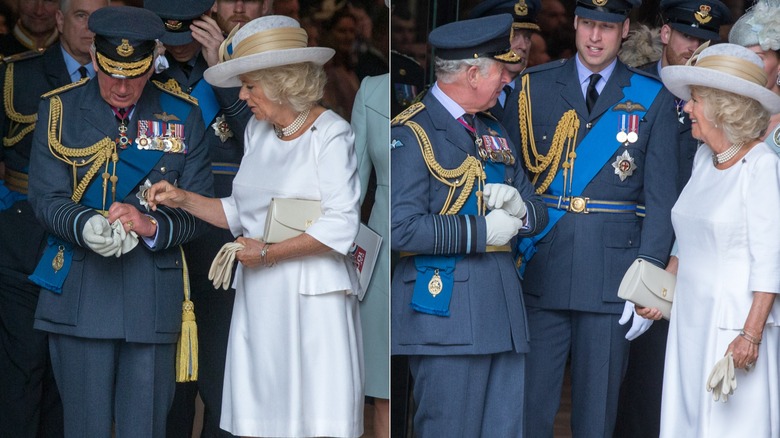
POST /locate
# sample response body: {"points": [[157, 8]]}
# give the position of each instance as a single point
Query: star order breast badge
{"points": [[624, 165], [221, 128]]}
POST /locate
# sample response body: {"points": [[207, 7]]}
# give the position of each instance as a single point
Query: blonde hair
{"points": [[741, 118], [300, 85]]}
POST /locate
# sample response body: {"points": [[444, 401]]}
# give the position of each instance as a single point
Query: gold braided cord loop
{"points": [[565, 134], [12, 114], [465, 175], [97, 154]]}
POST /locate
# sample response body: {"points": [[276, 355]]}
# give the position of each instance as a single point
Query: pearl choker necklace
{"points": [[294, 126], [727, 154]]}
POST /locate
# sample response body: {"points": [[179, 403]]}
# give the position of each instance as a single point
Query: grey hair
{"points": [[740, 117], [447, 69]]}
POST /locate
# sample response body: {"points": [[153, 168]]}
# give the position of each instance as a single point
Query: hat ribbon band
{"points": [[272, 39], [735, 67]]}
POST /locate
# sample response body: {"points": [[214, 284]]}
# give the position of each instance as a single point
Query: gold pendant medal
{"points": [[59, 259], [435, 285]]}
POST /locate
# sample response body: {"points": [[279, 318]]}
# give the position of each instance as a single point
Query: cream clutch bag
{"points": [[647, 285], [289, 217]]}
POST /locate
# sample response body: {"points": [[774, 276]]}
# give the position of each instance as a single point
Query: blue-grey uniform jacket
{"points": [[487, 314], [138, 296], [581, 261]]}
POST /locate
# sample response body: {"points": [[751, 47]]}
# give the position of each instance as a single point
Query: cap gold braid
{"points": [[127, 69], [273, 39]]}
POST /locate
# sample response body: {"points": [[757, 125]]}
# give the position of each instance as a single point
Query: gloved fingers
{"points": [[130, 242], [493, 195], [638, 327], [628, 310]]}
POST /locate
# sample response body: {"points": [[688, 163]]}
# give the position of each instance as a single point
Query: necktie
{"points": [[507, 93], [592, 94], [83, 72], [467, 120], [186, 68]]}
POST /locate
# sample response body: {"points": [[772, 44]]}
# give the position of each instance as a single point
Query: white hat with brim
{"points": [[265, 42], [727, 67]]}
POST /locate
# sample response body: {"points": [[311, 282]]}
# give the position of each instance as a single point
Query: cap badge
{"points": [[600, 3], [125, 49], [173, 24], [703, 14], [521, 9]]}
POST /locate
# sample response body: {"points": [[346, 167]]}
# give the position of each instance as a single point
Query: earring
{"points": [[778, 80]]}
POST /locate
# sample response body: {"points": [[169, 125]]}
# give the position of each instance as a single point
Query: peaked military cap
{"points": [[613, 11], [486, 37], [125, 40], [698, 18], [523, 12], [177, 16]]}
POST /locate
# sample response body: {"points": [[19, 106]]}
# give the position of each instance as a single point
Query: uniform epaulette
{"points": [[65, 88], [172, 87], [408, 113], [546, 66], [22, 56]]}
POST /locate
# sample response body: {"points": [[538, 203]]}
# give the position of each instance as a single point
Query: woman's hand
{"points": [[131, 219], [745, 352], [648, 312], [165, 193], [672, 265], [250, 255]]}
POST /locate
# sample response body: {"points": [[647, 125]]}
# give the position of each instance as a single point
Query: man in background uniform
{"points": [[599, 152], [35, 29], [458, 199], [524, 25], [113, 298], [29, 402], [687, 24], [192, 40]]}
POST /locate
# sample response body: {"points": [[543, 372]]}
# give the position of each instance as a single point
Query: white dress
{"points": [[727, 224], [295, 361]]}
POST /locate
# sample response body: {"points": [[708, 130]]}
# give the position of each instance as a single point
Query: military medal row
{"points": [[160, 136]]}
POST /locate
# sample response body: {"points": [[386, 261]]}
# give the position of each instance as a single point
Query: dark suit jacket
{"points": [[688, 144], [580, 262], [136, 297], [487, 314]]}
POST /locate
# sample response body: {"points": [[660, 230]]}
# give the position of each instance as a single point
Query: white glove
{"points": [[222, 267], [501, 227], [639, 326], [100, 237], [129, 240], [504, 197], [722, 380]]}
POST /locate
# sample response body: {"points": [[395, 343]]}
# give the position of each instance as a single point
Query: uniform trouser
{"points": [[599, 353], [109, 380], [213, 311], [639, 411], [469, 395], [29, 401]]}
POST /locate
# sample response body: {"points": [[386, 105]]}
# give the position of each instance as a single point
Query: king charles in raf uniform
{"points": [[459, 197], [113, 272]]}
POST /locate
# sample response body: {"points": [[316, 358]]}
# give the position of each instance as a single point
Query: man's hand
{"points": [[206, 31], [504, 197], [501, 227]]}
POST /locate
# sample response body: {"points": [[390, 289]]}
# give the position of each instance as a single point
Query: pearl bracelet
{"points": [[752, 339]]}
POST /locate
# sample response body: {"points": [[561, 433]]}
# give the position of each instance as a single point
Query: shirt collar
{"points": [[450, 105], [584, 74], [73, 66]]}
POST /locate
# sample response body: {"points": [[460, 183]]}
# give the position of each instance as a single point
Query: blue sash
{"points": [[9, 197], [444, 265], [207, 101], [591, 156], [134, 164]]}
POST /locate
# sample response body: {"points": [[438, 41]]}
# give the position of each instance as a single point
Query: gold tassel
{"points": [[187, 347]]}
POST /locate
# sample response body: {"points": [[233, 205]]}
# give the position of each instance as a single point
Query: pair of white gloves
{"points": [[723, 380], [108, 239], [508, 209], [504, 222]]}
